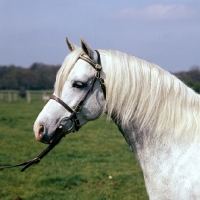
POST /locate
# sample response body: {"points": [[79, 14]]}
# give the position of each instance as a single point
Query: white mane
{"points": [[150, 98], [144, 95]]}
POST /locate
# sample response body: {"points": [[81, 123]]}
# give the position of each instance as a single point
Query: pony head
{"points": [[76, 85]]}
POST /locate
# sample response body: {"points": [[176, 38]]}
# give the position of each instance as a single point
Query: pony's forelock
{"points": [[65, 69]]}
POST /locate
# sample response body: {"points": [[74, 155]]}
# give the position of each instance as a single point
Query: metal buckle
{"points": [[77, 122], [101, 81], [77, 109], [97, 75], [98, 67]]}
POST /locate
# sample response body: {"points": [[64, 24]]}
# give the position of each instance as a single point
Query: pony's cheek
{"points": [[91, 111]]}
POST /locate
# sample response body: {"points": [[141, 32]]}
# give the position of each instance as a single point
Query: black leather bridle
{"points": [[68, 123]]}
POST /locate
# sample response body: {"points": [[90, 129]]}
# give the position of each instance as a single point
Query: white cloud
{"points": [[157, 12]]}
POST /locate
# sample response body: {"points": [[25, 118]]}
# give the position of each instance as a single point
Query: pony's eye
{"points": [[78, 84]]}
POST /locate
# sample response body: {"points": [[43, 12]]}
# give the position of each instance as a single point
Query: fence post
{"points": [[28, 94], [9, 96], [44, 95]]}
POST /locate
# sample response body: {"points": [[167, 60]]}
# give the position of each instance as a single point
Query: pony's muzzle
{"points": [[66, 124]]}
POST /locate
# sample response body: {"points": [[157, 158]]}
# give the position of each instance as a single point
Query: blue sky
{"points": [[167, 33]]}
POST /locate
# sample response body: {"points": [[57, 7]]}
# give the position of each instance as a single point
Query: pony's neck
{"points": [[159, 118], [165, 165], [144, 96]]}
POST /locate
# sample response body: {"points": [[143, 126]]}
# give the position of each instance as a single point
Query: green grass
{"points": [[78, 168]]}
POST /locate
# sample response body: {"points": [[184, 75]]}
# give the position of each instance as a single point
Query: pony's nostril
{"points": [[40, 134], [41, 130]]}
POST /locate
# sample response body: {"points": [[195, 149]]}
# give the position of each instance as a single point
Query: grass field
{"points": [[77, 169]]}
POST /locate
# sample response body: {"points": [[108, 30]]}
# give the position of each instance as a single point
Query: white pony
{"points": [[158, 115]]}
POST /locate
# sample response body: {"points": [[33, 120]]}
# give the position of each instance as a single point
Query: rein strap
{"points": [[40, 156]]}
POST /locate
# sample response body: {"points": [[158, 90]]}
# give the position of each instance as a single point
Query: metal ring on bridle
{"points": [[62, 126]]}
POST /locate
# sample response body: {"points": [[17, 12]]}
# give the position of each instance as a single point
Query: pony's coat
{"points": [[157, 114], [144, 95]]}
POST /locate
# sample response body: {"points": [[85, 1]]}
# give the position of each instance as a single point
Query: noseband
{"points": [[68, 123]]}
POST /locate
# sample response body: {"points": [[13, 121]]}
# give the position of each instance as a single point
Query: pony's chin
{"points": [[42, 139]]}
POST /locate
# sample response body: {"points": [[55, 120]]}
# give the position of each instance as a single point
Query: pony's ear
{"points": [[88, 51], [71, 46]]}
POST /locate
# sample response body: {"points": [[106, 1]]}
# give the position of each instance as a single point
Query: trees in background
{"points": [[41, 77], [38, 77], [191, 78]]}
